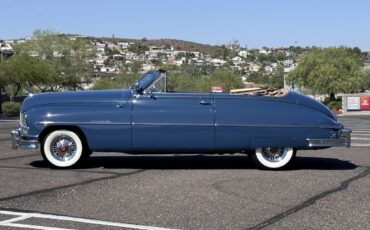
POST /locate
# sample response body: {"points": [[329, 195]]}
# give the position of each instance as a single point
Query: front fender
{"points": [[106, 126]]}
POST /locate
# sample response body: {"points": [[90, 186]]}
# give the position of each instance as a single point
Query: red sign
{"points": [[217, 89], [365, 103]]}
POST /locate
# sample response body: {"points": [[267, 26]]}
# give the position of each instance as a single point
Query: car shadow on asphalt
{"points": [[200, 162]]}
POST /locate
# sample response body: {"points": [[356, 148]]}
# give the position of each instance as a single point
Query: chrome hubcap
{"points": [[274, 154], [63, 148]]}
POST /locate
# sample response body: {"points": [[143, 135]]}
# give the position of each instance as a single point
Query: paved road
{"points": [[328, 189]]}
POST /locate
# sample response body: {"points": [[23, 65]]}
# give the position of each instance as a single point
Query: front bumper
{"points": [[24, 142], [344, 140]]}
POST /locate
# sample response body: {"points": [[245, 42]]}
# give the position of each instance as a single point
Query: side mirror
{"points": [[152, 96], [139, 90]]}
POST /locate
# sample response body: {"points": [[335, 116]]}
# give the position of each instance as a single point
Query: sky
{"points": [[258, 23]]}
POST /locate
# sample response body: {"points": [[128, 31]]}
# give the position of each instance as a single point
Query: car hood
{"points": [[79, 97]]}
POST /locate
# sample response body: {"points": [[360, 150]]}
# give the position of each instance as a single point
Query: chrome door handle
{"points": [[204, 102]]}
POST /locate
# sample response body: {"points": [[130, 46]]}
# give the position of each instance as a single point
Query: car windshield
{"points": [[146, 80], [159, 86]]}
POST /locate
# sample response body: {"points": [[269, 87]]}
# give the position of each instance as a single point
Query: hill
{"points": [[177, 44]]}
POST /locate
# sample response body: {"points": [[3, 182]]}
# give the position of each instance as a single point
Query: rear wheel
{"points": [[274, 158], [62, 148]]}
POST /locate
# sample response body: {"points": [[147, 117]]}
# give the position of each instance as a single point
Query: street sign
{"points": [[365, 102], [353, 103]]}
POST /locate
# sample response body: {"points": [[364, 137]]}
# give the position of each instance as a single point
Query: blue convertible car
{"points": [[270, 127]]}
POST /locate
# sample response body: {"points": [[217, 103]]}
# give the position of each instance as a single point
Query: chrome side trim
{"points": [[343, 141], [232, 125], [80, 123], [171, 124], [179, 124], [277, 126]]}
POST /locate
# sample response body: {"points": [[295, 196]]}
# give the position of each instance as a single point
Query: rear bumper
{"points": [[343, 141], [24, 142]]}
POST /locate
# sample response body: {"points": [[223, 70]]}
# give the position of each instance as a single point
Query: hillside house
{"points": [[123, 45], [145, 67], [243, 53], [156, 49], [6, 48], [100, 47], [217, 62], [237, 61]]}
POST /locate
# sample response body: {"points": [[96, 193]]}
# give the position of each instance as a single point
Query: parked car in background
{"points": [[144, 119]]}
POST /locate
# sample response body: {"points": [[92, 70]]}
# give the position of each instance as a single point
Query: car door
{"points": [[234, 122], [173, 122]]}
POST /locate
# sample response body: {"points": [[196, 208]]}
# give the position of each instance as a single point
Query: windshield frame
{"points": [[161, 76]]}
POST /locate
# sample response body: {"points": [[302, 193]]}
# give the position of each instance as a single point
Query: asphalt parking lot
{"points": [[327, 189]]}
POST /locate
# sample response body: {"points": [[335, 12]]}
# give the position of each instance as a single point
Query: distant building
{"points": [[237, 60], [123, 45], [243, 53], [156, 50], [217, 62], [288, 62], [100, 47], [264, 51], [118, 57], [253, 67], [6, 50]]}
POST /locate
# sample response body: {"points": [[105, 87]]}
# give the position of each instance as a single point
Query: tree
{"points": [[225, 78], [63, 59], [19, 70], [181, 81], [119, 82], [280, 57], [11, 78], [47, 62], [222, 53], [329, 70], [366, 84], [277, 79]]}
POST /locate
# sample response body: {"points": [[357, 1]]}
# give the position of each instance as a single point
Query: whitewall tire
{"points": [[62, 148], [274, 158]]}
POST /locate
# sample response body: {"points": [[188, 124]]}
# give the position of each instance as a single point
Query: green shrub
{"points": [[334, 105], [11, 109]]}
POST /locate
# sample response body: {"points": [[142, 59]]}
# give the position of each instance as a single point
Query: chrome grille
{"points": [[22, 119]]}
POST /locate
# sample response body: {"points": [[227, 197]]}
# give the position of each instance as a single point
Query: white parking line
{"points": [[359, 145], [361, 131], [360, 138], [24, 215], [15, 219], [26, 226], [10, 223], [361, 134]]}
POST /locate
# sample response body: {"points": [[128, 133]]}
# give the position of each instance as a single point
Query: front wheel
{"points": [[274, 158], [62, 148]]}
